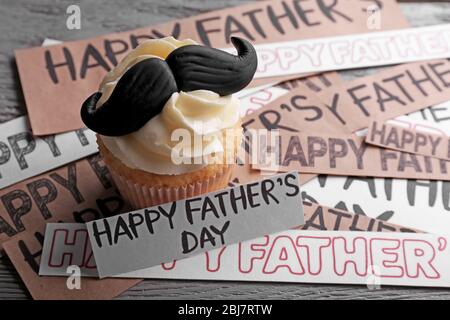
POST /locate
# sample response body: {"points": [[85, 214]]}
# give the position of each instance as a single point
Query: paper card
{"points": [[177, 230], [299, 110], [266, 95], [343, 155], [385, 95], [81, 190], [421, 204], [25, 252], [397, 137], [359, 50], [341, 257], [67, 244], [56, 80], [432, 120], [23, 155], [439, 115], [78, 192]]}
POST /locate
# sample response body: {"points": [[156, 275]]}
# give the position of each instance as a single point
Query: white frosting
{"points": [[155, 48], [203, 113]]}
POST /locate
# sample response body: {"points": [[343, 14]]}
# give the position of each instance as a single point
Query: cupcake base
{"points": [[143, 196], [143, 189]]}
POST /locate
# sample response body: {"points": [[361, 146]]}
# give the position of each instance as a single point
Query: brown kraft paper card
{"points": [[57, 79], [345, 155], [396, 137], [78, 192], [297, 111], [385, 95], [25, 251], [81, 190]]}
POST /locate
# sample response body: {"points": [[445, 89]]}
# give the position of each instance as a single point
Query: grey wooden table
{"points": [[25, 23]]}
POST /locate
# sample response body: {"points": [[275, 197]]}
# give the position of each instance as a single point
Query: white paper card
{"points": [[23, 155], [66, 245], [353, 51], [180, 229], [366, 258]]}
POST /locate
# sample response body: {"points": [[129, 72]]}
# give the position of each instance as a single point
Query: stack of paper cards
{"points": [[344, 182]]}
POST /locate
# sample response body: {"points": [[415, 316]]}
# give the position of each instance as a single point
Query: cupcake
{"points": [[167, 123]]}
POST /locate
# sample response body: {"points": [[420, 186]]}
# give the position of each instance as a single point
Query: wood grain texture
{"points": [[25, 23]]}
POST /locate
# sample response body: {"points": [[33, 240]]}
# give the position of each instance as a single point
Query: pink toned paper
{"points": [[401, 138], [347, 156], [56, 80], [67, 244], [385, 95]]}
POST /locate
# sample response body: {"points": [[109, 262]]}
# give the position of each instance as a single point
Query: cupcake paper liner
{"points": [[143, 196]]}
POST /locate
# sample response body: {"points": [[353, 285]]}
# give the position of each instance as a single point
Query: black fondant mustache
{"points": [[197, 67], [139, 95], [144, 89]]}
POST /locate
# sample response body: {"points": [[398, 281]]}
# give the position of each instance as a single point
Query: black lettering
{"points": [[411, 188], [101, 171], [20, 152], [396, 80], [314, 152], [42, 199], [17, 211], [333, 108], [50, 140], [169, 214], [185, 244], [70, 183], [98, 233], [121, 230], [273, 124], [149, 220], [221, 231], [5, 154], [426, 79], [295, 152], [295, 101], [440, 74], [266, 191], [234, 198], [276, 18], [190, 210], [329, 10], [334, 152], [51, 66], [203, 32], [111, 52], [91, 51], [384, 96], [82, 137], [359, 100], [303, 14], [110, 206], [233, 27], [254, 20]]}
